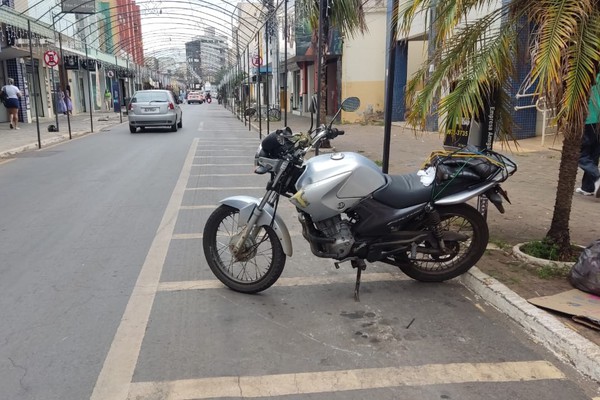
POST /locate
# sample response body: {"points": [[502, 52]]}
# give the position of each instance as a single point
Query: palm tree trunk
{"points": [[323, 78], [325, 144], [559, 229]]}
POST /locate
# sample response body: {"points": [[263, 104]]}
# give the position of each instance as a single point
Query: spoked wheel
{"points": [[274, 114], [469, 238], [252, 270]]}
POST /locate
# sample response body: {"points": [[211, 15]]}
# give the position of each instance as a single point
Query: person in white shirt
{"points": [[12, 103]]}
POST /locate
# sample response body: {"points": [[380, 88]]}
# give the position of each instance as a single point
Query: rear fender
{"points": [[464, 196], [246, 205]]}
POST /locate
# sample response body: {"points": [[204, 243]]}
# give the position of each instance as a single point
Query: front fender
{"points": [[246, 205]]}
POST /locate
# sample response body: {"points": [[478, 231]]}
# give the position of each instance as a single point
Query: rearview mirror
{"points": [[351, 104]]}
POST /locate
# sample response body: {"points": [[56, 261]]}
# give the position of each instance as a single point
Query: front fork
{"points": [[251, 229]]}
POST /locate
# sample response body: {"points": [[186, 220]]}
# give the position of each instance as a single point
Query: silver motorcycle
{"points": [[351, 211]]}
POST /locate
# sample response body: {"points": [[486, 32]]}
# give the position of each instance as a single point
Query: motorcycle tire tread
{"points": [[481, 238], [211, 255]]}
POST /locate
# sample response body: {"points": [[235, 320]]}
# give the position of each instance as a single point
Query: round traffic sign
{"points": [[257, 60], [110, 73], [51, 58]]}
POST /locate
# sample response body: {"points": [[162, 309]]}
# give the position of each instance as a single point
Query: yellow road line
{"points": [[183, 236], [336, 381], [296, 281]]}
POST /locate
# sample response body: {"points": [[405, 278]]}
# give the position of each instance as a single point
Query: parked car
{"points": [[195, 97], [154, 108]]}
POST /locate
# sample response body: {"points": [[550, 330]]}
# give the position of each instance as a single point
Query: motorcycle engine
{"points": [[337, 229]]}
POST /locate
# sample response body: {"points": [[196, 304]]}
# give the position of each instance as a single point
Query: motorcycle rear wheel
{"points": [[262, 263], [459, 218]]}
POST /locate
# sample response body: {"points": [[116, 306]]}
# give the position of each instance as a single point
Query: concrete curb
{"points": [[48, 142], [540, 325], [516, 250], [45, 143]]}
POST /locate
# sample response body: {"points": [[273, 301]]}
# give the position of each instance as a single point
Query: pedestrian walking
{"points": [[107, 100], [590, 147], [12, 95], [61, 106], [68, 101]]}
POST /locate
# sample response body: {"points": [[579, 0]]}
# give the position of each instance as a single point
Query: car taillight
{"points": [[171, 106], [130, 106]]}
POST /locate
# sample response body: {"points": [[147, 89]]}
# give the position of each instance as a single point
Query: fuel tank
{"points": [[333, 183]]}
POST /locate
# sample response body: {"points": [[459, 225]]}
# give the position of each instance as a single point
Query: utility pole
{"points": [[392, 23]]}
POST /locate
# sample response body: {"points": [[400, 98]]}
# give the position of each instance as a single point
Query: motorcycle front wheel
{"points": [[461, 255], [256, 268]]}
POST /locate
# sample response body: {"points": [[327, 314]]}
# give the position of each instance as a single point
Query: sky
{"points": [[167, 25]]}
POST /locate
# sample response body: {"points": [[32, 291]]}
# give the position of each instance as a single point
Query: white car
{"points": [[154, 108]]}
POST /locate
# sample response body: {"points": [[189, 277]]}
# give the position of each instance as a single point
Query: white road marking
{"points": [[186, 236], [198, 207], [244, 149], [270, 386], [221, 156], [221, 165], [296, 281], [227, 188], [119, 365], [206, 175], [223, 130]]}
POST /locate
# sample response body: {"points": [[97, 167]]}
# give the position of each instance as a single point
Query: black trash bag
{"points": [[585, 274]]}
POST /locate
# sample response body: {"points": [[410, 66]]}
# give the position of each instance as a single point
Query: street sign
{"points": [[257, 60], [110, 73], [51, 58], [78, 6]]}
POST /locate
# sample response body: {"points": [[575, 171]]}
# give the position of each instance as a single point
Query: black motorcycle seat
{"points": [[403, 191]]}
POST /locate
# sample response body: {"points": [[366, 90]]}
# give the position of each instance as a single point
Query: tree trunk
{"points": [[559, 229], [325, 144]]}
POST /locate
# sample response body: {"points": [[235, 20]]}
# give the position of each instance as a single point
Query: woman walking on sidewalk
{"points": [[13, 95], [68, 101]]}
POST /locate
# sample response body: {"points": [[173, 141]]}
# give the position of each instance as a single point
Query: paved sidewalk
{"points": [[13, 141], [532, 190]]}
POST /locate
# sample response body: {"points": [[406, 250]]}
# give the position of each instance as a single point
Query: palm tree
{"points": [[348, 17], [481, 55]]}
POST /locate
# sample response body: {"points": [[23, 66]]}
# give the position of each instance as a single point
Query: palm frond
{"points": [[475, 65], [347, 16], [556, 22], [582, 58]]}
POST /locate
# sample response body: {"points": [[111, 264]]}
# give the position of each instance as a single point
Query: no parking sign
{"points": [[51, 58]]}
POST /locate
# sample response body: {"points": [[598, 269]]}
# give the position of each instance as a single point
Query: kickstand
{"points": [[360, 266]]}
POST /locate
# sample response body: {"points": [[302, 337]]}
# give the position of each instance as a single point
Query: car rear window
{"points": [[145, 97]]}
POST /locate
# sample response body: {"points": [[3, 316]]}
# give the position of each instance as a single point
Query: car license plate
{"points": [[150, 109]]}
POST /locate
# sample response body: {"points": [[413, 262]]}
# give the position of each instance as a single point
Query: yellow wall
{"points": [[371, 99], [363, 67]]}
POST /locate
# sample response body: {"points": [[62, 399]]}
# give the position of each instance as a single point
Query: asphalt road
{"points": [[105, 293]]}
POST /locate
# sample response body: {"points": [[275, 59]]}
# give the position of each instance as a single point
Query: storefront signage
{"points": [[79, 6], [71, 62], [88, 64]]}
